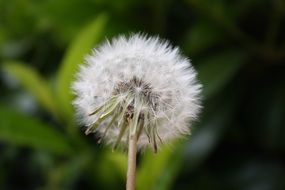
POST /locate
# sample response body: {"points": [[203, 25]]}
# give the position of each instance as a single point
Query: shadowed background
{"points": [[237, 47]]}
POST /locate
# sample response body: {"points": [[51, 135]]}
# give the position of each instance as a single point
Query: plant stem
{"points": [[132, 153]]}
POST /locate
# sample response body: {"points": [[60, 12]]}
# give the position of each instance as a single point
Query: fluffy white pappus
{"points": [[137, 85]]}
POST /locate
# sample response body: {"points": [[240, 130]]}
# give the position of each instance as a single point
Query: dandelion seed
{"points": [[138, 88], [140, 79]]}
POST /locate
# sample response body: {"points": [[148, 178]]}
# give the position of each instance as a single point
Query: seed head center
{"points": [[140, 91]]}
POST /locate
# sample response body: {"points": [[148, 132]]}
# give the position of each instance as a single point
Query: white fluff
{"points": [[156, 63]]}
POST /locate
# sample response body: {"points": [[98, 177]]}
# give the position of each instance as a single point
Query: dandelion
{"points": [[136, 92]]}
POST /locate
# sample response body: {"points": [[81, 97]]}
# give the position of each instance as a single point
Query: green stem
{"points": [[132, 152]]}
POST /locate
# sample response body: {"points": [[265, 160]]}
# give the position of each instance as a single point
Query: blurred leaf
{"points": [[169, 174], [157, 171], [22, 130], [82, 44], [266, 122], [64, 176], [119, 160], [216, 10], [206, 137], [110, 169], [215, 71], [202, 35], [33, 83]]}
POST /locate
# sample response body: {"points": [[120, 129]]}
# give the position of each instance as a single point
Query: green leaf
{"points": [[216, 71], [19, 129], [201, 36], [209, 133], [33, 83], [118, 160], [215, 11], [157, 171], [64, 176], [82, 44], [110, 168]]}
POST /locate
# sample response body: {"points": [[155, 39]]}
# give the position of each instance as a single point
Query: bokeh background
{"points": [[238, 48]]}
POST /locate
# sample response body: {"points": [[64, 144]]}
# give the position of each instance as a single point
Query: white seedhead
{"points": [[137, 86]]}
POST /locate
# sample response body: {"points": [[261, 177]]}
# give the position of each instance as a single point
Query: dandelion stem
{"points": [[132, 152]]}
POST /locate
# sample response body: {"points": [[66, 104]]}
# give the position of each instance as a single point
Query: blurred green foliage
{"points": [[238, 48]]}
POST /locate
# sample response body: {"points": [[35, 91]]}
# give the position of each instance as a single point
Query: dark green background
{"points": [[237, 47]]}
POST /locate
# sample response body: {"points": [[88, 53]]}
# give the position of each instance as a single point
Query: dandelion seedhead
{"points": [[137, 86]]}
